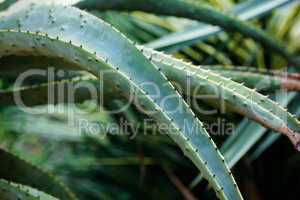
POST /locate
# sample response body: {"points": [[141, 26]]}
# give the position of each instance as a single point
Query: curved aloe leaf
{"points": [[6, 3], [11, 191], [196, 11], [282, 72], [95, 46], [251, 79], [272, 137], [239, 98], [244, 11], [28, 174], [178, 73], [238, 103], [245, 136], [260, 81]]}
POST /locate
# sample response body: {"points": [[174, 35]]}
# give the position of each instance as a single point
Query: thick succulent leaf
{"points": [[178, 73], [241, 93], [28, 174], [191, 10], [251, 79], [244, 137], [12, 191], [273, 137], [282, 72], [237, 97], [261, 81], [5, 4], [95, 47], [245, 11]]}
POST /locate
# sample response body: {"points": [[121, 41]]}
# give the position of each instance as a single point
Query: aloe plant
{"points": [[88, 50], [15, 191]]}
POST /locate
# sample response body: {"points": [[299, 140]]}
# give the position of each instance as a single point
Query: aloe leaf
{"points": [[245, 136], [23, 63], [251, 79], [190, 36], [242, 141], [194, 11], [29, 174], [11, 191], [95, 46], [260, 81], [239, 98], [273, 137], [281, 72], [6, 4]]}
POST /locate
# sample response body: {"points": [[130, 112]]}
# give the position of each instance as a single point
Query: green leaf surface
{"points": [[273, 137], [95, 47], [192, 10], [237, 97], [12, 191], [20, 171], [245, 11], [245, 136]]}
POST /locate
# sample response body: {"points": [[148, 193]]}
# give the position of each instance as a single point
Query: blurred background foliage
{"points": [[150, 166]]}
